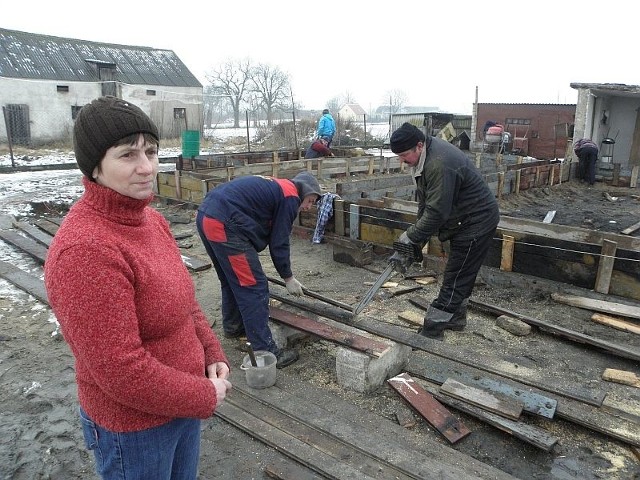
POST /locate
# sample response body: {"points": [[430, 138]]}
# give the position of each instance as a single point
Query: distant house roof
{"points": [[355, 108], [43, 57]]}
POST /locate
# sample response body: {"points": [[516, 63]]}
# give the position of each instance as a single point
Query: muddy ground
{"points": [[39, 427]]}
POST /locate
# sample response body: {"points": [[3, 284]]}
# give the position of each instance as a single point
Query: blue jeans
{"points": [[167, 452]]}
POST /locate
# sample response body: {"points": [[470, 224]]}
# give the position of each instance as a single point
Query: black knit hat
{"points": [[306, 184], [100, 124], [405, 138]]}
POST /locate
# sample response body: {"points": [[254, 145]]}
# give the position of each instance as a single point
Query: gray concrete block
{"points": [[283, 335], [362, 373]]}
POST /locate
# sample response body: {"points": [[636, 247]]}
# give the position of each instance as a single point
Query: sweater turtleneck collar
{"points": [[114, 205]]}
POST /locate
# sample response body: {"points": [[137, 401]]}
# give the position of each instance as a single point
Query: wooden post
{"points": [[229, 173], [500, 184], [371, 165], [275, 166], [552, 172], [347, 167], [309, 165], [338, 216], [616, 175], [354, 221], [320, 168], [506, 259], [537, 180], [634, 176], [478, 160], [178, 186], [605, 266], [518, 177]]}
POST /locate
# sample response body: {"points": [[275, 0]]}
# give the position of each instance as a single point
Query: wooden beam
{"points": [[339, 216], [426, 405], [370, 346], [616, 323], [631, 229], [504, 407], [549, 216], [605, 266], [506, 258], [598, 305], [634, 176], [622, 351], [25, 281]]}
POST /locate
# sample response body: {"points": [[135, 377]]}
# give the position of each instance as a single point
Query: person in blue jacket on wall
{"points": [[326, 127], [237, 220]]}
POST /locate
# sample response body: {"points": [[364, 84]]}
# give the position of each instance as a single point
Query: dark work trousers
{"points": [[587, 159], [465, 259], [244, 286]]}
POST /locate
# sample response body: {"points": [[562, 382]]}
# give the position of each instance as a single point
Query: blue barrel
{"points": [[190, 143]]}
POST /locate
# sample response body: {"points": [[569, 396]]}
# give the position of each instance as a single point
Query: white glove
{"points": [[294, 287]]}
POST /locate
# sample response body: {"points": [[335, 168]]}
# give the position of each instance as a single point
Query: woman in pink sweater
{"points": [[148, 366]]}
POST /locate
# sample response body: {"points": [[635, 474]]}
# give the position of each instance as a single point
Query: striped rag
{"points": [[325, 212]]}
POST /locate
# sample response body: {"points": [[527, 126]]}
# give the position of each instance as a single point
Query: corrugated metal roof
{"points": [[43, 57]]}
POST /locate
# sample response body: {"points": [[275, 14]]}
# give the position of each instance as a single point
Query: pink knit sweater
{"points": [[127, 308]]}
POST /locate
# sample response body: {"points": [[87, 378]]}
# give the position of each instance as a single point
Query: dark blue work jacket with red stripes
{"points": [[261, 208]]}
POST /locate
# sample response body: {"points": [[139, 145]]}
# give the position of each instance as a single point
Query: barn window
{"points": [[179, 113], [62, 88], [151, 93]]}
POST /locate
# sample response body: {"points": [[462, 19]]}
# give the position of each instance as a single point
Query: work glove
{"points": [[404, 238], [294, 287]]}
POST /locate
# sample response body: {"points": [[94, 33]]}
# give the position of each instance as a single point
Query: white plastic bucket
{"points": [[264, 374]]}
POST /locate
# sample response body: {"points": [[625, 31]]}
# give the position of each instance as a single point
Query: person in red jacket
{"points": [[237, 220], [148, 366]]}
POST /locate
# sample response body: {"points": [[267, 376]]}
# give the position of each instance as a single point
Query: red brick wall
{"points": [[542, 143]]}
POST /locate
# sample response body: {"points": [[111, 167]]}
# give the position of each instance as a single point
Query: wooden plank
{"points": [[622, 351], [598, 305], [34, 232], [531, 434], [370, 346], [297, 449], [505, 407], [27, 245], [616, 323], [47, 226], [285, 469], [549, 216], [506, 257], [440, 370], [427, 406], [315, 295], [631, 229], [25, 281], [412, 317], [605, 266], [621, 376]]}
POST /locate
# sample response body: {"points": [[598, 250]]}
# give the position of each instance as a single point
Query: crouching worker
{"points": [[454, 203], [147, 364], [237, 220]]}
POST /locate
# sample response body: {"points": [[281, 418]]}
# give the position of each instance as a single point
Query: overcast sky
{"points": [[435, 52]]}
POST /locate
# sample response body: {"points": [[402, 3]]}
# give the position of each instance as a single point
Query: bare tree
{"points": [[397, 99], [272, 87], [232, 78]]}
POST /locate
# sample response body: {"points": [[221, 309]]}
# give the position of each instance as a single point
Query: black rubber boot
{"points": [[459, 319], [286, 356], [435, 322]]}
